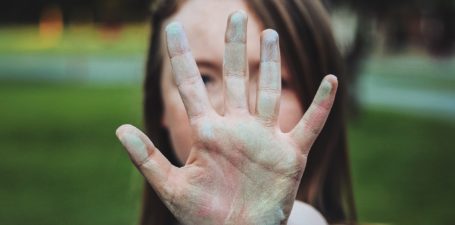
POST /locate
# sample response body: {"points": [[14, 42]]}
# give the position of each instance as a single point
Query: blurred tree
{"points": [[29, 11], [424, 24]]}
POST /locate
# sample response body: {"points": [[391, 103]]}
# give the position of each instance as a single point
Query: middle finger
{"points": [[235, 66]]}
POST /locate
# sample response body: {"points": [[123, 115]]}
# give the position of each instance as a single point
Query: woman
{"points": [[241, 138]]}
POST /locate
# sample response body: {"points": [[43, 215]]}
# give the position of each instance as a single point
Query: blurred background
{"points": [[71, 72]]}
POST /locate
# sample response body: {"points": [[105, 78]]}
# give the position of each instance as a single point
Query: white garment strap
{"points": [[305, 214]]}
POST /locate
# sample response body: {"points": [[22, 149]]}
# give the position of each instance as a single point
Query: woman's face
{"points": [[205, 24]]}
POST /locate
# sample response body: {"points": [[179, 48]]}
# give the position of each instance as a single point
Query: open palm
{"points": [[242, 169]]}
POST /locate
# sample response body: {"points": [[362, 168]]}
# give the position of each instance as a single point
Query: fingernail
{"points": [[324, 91], [135, 146], [236, 27], [270, 48], [177, 43]]}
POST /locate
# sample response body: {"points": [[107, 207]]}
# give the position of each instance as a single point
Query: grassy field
{"points": [[403, 168], [61, 163]]}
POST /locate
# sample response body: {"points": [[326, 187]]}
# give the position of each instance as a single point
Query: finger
{"points": [[269, 87], [311, 124], [186, 73], [148, 159], [235, 64]]}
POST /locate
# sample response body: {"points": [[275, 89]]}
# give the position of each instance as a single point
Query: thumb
{"points": [[147, 158]]}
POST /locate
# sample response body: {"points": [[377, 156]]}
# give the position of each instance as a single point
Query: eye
{"points": [[207, 79]]}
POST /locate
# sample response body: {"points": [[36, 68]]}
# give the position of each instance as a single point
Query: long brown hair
{"points": [[309, 50]]}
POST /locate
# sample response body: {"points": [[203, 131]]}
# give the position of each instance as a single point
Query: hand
{"points": [[242, 169]]}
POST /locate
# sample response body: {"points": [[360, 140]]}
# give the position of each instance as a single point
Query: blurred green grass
{"points": [[61, 163], [403, 168]]}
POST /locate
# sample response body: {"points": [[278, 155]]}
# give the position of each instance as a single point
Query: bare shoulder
{"points": [[305, 214]]}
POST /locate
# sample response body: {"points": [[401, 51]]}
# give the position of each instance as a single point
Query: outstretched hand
{"points": [[242, 169]]}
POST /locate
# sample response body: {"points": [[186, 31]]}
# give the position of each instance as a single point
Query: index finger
{"points": [[186, 73]]}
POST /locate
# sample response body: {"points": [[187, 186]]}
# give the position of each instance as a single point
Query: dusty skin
{"points": [[242, 169]]}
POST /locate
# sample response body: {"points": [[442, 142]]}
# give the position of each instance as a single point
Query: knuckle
{"points": [[314, 130], [188, 82], [146, 164]]}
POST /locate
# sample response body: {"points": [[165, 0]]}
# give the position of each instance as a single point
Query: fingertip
{"points": [[236, 27], [270, 34], [332, 78], [240, 13], [173, 28], [177, 42], [270, 48], [134, 143], [327, 90], [238, 17], [122, 129]]}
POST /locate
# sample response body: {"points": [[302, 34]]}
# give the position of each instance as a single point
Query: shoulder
{"points": [[304, 214]]}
